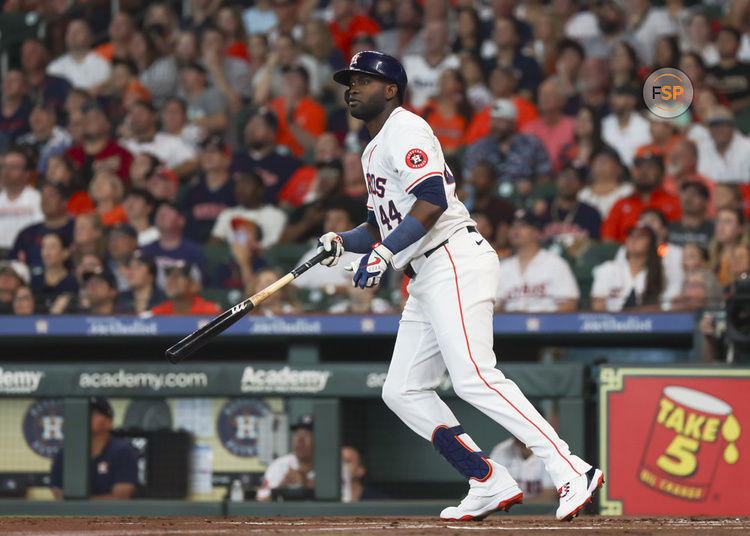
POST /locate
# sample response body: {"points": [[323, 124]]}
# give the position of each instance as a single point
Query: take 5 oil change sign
{"points": [[674, 441]]}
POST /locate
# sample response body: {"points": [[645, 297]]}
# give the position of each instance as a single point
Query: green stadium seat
{"points": [[216, 255]]}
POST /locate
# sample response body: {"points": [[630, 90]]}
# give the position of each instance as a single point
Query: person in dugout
{"points": [[114, 463]]}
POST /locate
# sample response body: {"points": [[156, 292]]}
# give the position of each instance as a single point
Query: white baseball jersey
{"points": [[546, 281], [276, 472], [529, 472], [401, 156]]}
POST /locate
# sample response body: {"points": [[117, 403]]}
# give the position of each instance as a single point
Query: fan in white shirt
{"points": [[725, 156], [269, 219], [625, 129], [635, 281], [171, 150], [424, 70], [20, 204], [534, 280], [82, 67]]}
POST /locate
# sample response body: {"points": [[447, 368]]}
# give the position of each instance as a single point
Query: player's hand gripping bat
{"points": [[203, 335]]}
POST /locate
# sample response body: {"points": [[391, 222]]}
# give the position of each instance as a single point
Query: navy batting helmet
{"points": [[376, 64]]}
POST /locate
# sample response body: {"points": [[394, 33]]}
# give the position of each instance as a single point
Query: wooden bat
{"points": [[203, 335]]}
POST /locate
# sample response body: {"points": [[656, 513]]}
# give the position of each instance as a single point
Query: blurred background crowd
{"points": [[170, 158]]}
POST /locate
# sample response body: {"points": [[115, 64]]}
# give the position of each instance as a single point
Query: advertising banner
{"points": [[674, 441]]}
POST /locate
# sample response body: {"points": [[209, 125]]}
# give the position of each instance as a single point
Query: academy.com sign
{"points": [[142, 380], [285, 380], [20, 381]]}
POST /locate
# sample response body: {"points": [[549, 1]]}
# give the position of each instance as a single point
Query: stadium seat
{"points": [[216, 256]]}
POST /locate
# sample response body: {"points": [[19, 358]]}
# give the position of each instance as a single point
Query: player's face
{"points": [[368, 96]]}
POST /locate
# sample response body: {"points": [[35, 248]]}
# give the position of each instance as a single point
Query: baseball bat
{"points": [[203, 335]]}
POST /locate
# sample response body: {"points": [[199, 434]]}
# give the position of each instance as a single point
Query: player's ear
{"points": [[391, 91]]}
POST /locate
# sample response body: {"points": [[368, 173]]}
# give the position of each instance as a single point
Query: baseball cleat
{"points": [[476, 507], [574, 495]]}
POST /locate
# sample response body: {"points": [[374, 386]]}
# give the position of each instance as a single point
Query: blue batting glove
{"points": [[371, 267]]}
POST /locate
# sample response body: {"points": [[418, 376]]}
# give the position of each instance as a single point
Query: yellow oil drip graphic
{"points": [[731, 432]]}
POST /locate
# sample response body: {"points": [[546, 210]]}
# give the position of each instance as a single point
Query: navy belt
{"points": [[409, 271]]}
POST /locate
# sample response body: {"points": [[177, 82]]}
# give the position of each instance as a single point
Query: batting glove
{"points": [[330, 242], [371, 267]]}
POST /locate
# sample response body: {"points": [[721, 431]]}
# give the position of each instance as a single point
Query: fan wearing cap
{"points": [[625, 129], [516, 158], [163, 184], [182, 290], [114, 463], [648, 173], [301, 119], [54, 202], [13, 274], [534, 279], [725, 156], [99, 291], [212, 191], [635, 282], [294, 471], [146, 138], [97, 149]]}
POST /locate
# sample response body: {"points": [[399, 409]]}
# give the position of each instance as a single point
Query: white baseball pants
{"points": [[447, 323]]}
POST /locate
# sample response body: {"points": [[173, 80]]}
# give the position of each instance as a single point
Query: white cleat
{"points": [[499, 492], [574, 495], [476, 507]]}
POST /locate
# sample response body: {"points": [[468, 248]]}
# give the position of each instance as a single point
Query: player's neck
{"points": [[375, 124]]}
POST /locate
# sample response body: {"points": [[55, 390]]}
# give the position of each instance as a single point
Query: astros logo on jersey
{"points": [[416, 158]]}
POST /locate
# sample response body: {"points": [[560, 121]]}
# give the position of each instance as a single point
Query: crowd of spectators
{"points": [[156, 161]]}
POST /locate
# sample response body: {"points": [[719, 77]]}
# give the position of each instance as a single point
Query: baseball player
{"points": [[417, 224]]}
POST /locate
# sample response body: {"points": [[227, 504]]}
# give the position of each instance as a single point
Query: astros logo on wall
{"points": [[416, 158], [239, 425], [43, 426], [668, 93]]}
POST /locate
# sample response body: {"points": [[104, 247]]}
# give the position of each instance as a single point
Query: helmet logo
{"points": [[355, 59]]}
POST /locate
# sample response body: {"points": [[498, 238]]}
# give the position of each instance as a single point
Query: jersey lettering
{"points": [[376, 185]]}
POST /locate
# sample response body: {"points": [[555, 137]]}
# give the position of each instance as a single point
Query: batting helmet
{"points": [[376, 64]]}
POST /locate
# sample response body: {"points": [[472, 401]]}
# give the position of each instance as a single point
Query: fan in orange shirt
{"points": [[182, 293], [449, 112], [346, 24], [301, 119], [503, 83]]}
